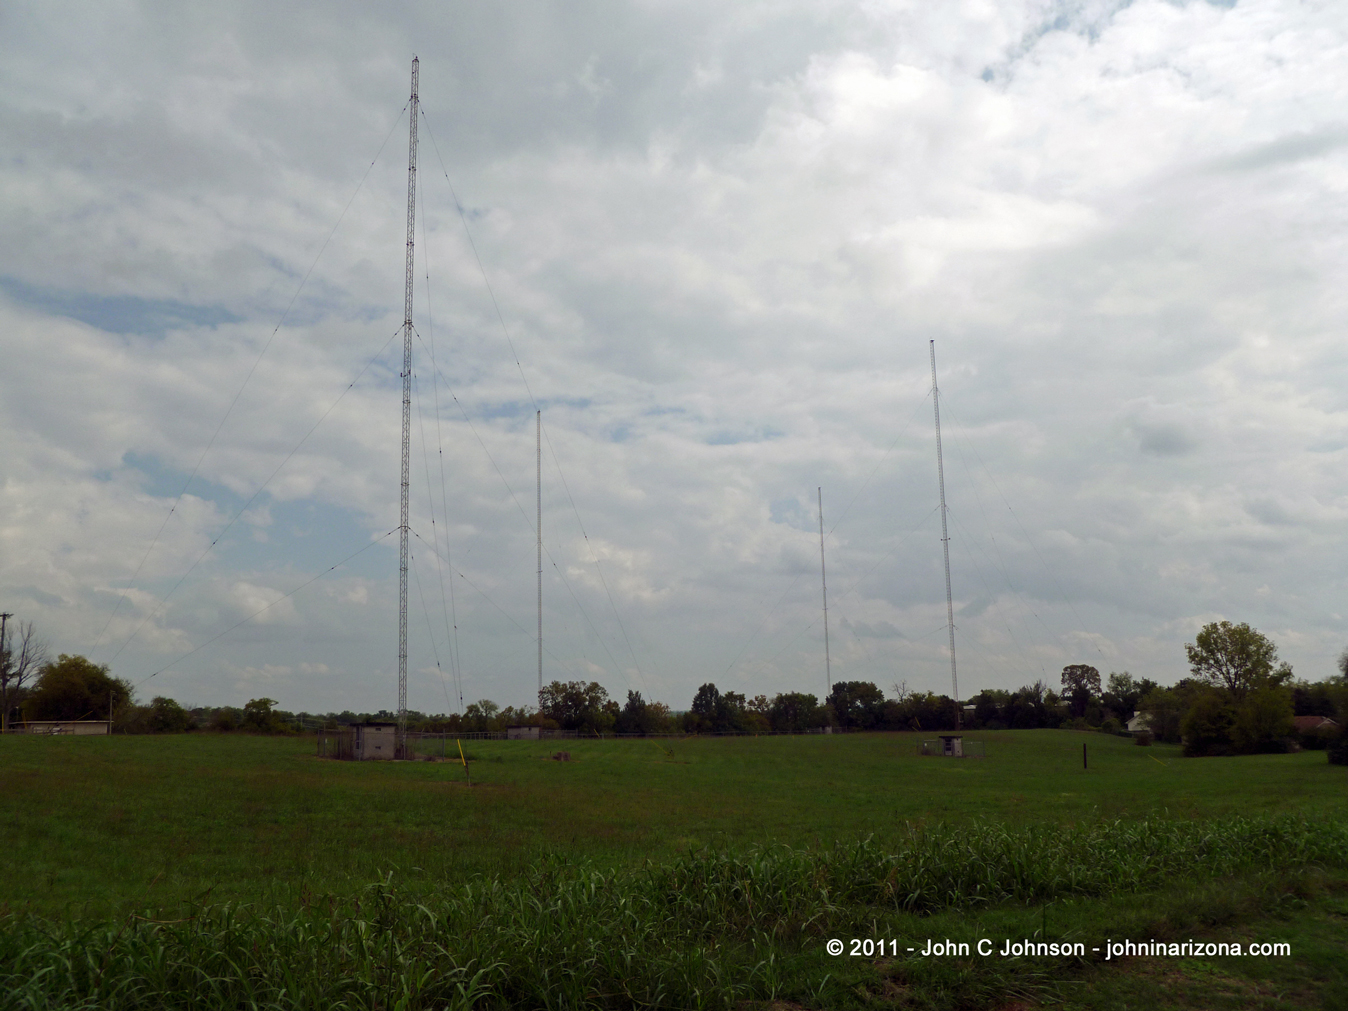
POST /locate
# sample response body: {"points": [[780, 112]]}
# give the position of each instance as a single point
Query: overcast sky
{"points": [[711, 243]]}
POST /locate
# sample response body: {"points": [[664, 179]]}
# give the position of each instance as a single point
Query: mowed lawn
{"points": [[99, 825]]}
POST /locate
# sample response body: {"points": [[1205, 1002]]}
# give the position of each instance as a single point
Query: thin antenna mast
{"points": [[945, 538], [538, 438], [407, 418], [823, 579]]}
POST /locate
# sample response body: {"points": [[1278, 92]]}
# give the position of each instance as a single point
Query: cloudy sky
{"points": [[711, 243]]}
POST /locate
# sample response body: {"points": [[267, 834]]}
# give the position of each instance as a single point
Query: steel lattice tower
{"points": [[407, 417]]}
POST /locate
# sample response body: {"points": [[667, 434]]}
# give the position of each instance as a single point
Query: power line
{"points": [[594, 555], [431, 632], [505, 330], [262, 487], [1029, 540], [453, 638], [499, 473], [506, 614], [836, 523], [267, 608], [481, 269], [279, 323]]}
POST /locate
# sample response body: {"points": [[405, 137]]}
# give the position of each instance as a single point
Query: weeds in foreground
{"points": [[705, 930]]}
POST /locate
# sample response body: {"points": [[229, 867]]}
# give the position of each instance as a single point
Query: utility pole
{"points": [[945, 540], [823, 579], [401, 747], [4, 670], [538, 440]]}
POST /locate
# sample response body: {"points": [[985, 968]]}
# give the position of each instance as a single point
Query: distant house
{"points": [[67, 727], [1139, 724], [1310, 724]]}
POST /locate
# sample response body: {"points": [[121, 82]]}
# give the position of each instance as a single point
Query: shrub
{"points": [[73, 688], [1263, 721], [1143, 738], [1207, 726], [1164, 708], [1337, 750], [165, 716], [1318, 739], [225, 719]]}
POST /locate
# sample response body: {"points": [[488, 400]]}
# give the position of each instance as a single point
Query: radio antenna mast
{"points": [[538, 437], [823, 580], [945, 538], [407, 417]]}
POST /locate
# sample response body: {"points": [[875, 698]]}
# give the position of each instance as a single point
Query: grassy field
{"points": [[687, 834]]}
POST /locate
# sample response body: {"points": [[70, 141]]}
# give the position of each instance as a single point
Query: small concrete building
{"points": [[67, 727], [952, 745], [374, 740], [522, 733]]}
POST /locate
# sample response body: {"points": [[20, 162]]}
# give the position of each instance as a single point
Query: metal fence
{"points": [[547, 734], [965, 749], [339, 742]]}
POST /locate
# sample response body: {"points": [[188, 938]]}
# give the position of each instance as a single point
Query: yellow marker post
{"points": [[464, 761]]}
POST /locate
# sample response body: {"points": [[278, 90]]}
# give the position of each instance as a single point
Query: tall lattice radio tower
{"points": [[407, 416]]}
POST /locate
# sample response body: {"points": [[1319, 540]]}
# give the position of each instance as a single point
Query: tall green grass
{"points": [[707, 929], [113, 824]]}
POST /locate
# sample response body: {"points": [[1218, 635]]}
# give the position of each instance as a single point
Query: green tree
{"points": [[1208, 723], [578, 706], [1235, 657], [858, 704], [703, 710], [1316, 699], [1081, 684], [167, 717], [73, 688], [921, 711], [989, 705], [732, 713], [795, 711], [634, 718], [714, 712], [258, 716], [481, 716], [22, 654], [661, 717], [225, 719], [1164, 709], [1263, 720], [1124, 693], [511, 717], [1338, 747]]}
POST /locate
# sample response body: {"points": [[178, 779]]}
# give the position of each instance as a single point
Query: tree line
{"points": [[1238, 699]]}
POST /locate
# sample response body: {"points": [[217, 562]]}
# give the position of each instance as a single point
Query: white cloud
{"points": [[720, 239]]}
